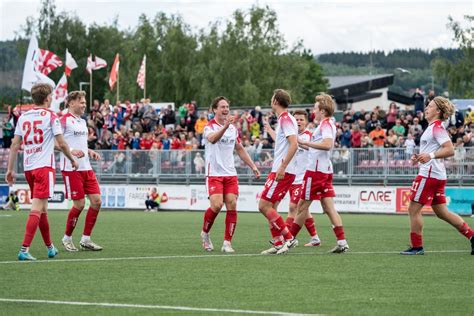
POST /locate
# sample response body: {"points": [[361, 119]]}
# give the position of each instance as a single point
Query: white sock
{"points": [[342, 242], [67, 238], [85, 238]]}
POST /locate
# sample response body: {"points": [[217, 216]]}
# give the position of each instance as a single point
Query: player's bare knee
{"points": [[79, 204], [217, 206]]}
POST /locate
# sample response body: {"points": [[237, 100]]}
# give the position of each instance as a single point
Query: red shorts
{"points": [[295, 193], [317, 185], [428, 191], [80, 183], [222, 185], [41, 182], [275, 191]]}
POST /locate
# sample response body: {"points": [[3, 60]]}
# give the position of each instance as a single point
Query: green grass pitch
{"points": [[371, 279]]}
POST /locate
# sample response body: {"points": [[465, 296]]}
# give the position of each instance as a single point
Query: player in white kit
{"points": [[80, 182], [429, 186], [38, 128], [301, 157], [282, 175], [317, 183], [221, 138]]}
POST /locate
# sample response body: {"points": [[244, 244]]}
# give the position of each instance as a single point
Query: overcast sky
{"points": [[324, 26]]}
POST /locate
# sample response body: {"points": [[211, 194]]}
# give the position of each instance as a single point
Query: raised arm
{"points": [[214, 137]]}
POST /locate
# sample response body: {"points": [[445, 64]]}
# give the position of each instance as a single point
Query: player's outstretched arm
{"points": [[244, 155], [325, 144], [214, 137], [14, 148], [63, 146]]}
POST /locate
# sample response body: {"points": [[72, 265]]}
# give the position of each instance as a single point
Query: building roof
{"points": [[345, 81]]}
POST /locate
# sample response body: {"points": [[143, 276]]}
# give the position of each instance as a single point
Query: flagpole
{"points": [[118, 82], [144, 81], [90, 90]]}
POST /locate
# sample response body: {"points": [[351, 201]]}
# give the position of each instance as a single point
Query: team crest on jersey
{"points": [[43, 113]]}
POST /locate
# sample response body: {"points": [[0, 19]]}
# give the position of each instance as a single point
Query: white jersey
{"points": [[302, 158], [38, 127], [433, 137], [75, 134], [320, 160], [286, 126], [220, 156]]}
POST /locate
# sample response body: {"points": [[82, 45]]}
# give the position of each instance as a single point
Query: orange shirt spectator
{"points": [[378, 136], [200, 124]]}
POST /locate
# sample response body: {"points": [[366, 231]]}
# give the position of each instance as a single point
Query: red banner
{"points": [[403, 200]]}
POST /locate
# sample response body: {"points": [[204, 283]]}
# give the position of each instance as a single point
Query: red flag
{"points": [[114, 72], [142, 74], [59, 93], [47, 62]]}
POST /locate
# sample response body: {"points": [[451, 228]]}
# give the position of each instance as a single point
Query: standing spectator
{"points": [[176, 143], [378, 137], [410, 146], [135, 141], [457, 119], [257, 115], [374, 120], [391, 140], [418, 99], [255, 128], [166, 142], [199, 126], [169, 119], [392, 115], [345, 139], [7, 133], [430, 97], [146, 142], [182, 110], [399, 129], [199, 163], [191, 119], [356, 136], [415, 128]]}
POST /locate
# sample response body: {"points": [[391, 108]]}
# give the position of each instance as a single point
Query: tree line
{"points": [[243, 58]]}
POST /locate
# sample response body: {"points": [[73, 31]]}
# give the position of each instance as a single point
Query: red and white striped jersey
{"points": [[75, 134], [220, 156], [320, 160], [37, 128], [286, 126], [302, 158], [433, 137]]}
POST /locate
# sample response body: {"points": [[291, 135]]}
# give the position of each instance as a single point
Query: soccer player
{"points": [[220, 139], [429, 185], [38, 128], [83, 180], [301, 157], [317, 182], [282, 175]]}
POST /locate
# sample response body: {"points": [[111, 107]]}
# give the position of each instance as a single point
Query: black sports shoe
{"points": [[413, 251]]}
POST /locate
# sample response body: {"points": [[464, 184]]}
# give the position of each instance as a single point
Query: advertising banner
{"points": [[173, 197], [460, 200], [403, 200]]}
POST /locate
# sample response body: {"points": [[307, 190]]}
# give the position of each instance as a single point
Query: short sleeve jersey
{"points": [[37, 128], [76, 134], [431, 140], [302, 158], [320, 160], [286, 126], [220, 156]]}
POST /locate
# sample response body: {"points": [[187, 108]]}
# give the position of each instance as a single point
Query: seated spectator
{"points": [[410, 146], [12, 202], [370, 125], [392, 139], [392, 115], [135, 141], [153, 201], [199, 126], [146, 142], [199, 163], [345, 138]]}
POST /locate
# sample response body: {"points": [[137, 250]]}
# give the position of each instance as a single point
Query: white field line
{"points": [[140, 306], [217, 256]]}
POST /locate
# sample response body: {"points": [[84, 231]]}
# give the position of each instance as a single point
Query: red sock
{"points": [[91, 218], [31, 226], [309, 223], [44, 229], [295, 229], [416, 240], [276, 236], [209, 218], [276, 221], [339, 232], [72, 220], [466, 230], [230, 223], [289, 221]]}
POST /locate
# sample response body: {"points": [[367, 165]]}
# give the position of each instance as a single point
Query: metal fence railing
{"points": [[353, 163]]}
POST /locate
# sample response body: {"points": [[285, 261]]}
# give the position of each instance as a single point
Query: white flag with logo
{"points": [[59, 94], [31, 75]]}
